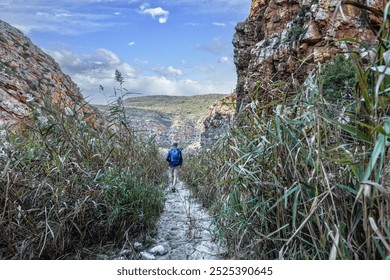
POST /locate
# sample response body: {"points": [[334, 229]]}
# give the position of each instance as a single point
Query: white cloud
{"points": [[154, 85], [191, 24], [59, 16], [169, 71], [62, 13], [158, 12], [219, 24], [162, 20], [224, 59], [131, 43], [108, 57], [174, 71], [238, 7], [79, 16], [99, 65], [90, 71]]}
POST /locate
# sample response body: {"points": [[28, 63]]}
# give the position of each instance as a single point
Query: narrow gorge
{"points": [[275, 170]]}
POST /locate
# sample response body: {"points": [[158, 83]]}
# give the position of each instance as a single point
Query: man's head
{"points": [[174, 144]]}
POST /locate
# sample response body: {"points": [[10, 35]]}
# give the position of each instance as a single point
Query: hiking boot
{"points": [[173, 189]]}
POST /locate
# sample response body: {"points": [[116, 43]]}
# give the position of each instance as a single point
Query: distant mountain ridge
{"points": [[185, 107]]}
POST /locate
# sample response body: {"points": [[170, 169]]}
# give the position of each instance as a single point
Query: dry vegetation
{"points": [[306, 175], [67, 189]]}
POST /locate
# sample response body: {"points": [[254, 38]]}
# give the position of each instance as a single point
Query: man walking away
{"points": [[175, 159]]}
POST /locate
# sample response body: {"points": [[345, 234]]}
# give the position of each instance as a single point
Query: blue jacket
{"points": [[173, 162]]}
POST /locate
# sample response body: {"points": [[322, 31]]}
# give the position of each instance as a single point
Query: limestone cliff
{"points": [[174, 118], [28, 76], [217, 121], [282, 40]]}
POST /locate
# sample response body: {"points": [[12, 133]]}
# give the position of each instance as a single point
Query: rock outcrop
{"points": [[217, 121], [28, 76], [173, 118], [282, 40], [165, 127]]}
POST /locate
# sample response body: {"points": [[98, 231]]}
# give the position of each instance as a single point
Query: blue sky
{"points": [[169, 47]]}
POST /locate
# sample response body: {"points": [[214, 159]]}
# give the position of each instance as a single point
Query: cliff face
{"points": [[217, 121], [165, 127], [199, 129], [279, 35], [173, 118], [28, 75]]}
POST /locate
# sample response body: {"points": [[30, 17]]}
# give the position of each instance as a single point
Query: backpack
{"points": [[175, 155]]}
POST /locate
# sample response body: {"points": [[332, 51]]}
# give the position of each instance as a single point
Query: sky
{"points": [[161, 47]]}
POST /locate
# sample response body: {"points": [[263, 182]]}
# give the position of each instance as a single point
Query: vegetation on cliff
{"points": [[306, 175]]}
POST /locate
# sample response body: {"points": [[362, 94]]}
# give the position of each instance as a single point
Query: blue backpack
{"points": [[176, 158], [175, 155]]}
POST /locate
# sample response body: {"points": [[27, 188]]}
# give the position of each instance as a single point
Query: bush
{"points": [[339, 78], [295, 33]]}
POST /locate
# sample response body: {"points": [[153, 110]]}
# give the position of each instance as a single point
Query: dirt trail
{"points": [[184, 230]]}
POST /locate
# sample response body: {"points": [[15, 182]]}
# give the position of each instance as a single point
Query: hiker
{"points": [[175, 159]]}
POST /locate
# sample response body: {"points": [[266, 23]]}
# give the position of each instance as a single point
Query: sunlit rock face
{"points": [[284, 39], [28, 76], [217, 121]]}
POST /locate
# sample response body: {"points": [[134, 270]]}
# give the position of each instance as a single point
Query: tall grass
{"points": [[307, 176], [67, 187]]}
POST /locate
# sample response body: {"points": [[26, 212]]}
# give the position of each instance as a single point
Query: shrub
{"points": [[294, 33], [339, 78]]}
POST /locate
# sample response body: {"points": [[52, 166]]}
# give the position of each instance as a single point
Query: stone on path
{"points": [[137, 245], [158, 250], [147, 256]]}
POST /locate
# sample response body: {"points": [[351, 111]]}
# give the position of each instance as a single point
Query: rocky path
{"points": [[183, 230]]}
